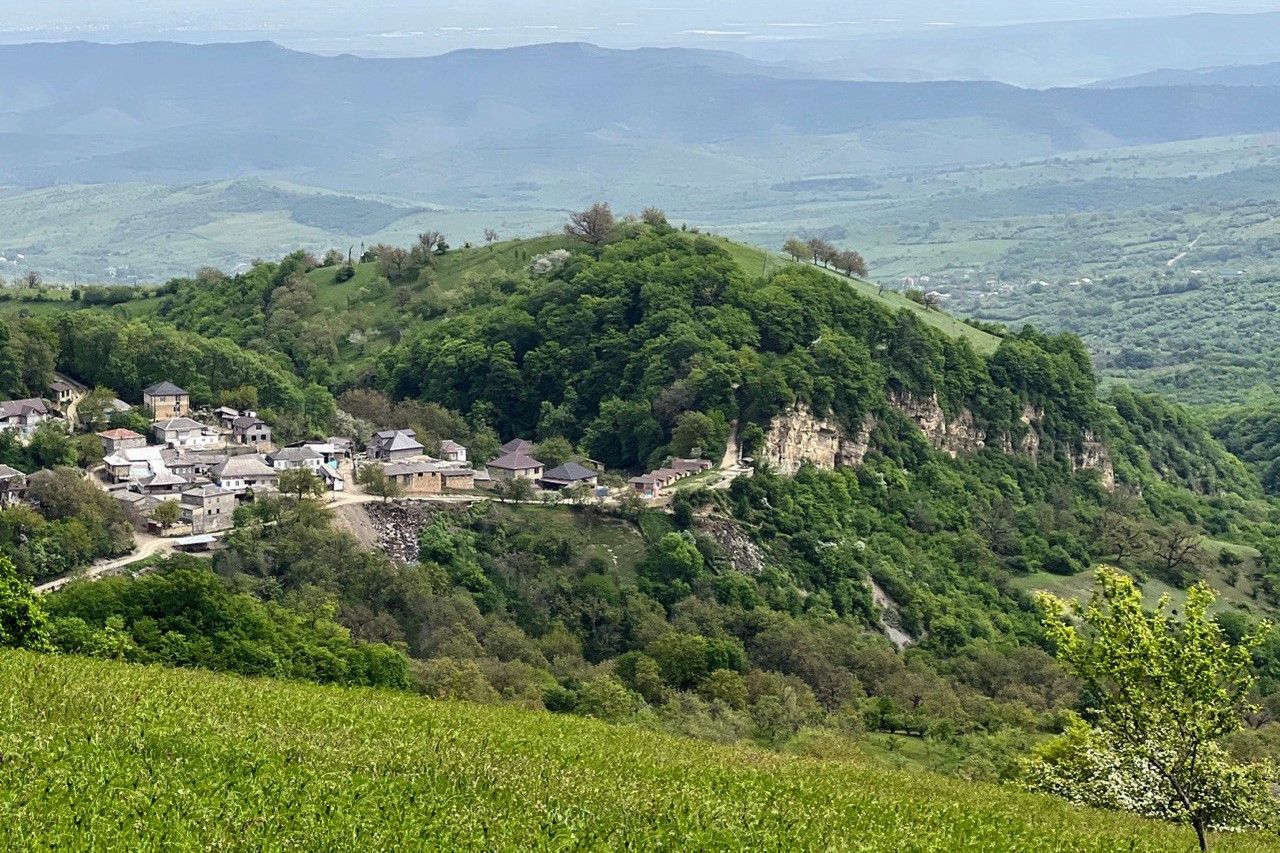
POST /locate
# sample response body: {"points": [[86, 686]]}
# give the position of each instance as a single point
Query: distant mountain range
{"points": [[547, 124], [1230, 75], [1052, 53]]}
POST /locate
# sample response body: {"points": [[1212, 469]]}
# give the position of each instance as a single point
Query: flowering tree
{"points": [[1164, 692]]}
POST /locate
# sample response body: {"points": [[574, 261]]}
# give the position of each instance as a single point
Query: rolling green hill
{"points": [[124, 757]]}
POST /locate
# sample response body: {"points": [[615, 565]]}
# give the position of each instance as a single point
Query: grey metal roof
{"points": [[570, 472], [293, 454], [514, 462], [164, 389]]}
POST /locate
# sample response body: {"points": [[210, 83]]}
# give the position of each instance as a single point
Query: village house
{"points": [[333, 481], [395, 445], [243, 473], [248, 428], [166, 401], [289, 458], [191, 463], [62, 393], [208, 509], [330, 453], [569, 474], [516, 445], [665, 476], [688, 467], [133, 463], [180, 433], [115, 440], [161, 482], [13, 485], [511, 466], [226, 415], [23, 416], [451, 451], [428, 477], [646, 486], [137, 504]]}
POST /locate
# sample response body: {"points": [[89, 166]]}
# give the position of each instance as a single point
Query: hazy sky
{"points": [[433, 26]]}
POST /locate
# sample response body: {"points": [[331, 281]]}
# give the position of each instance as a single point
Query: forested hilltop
{"points": [[961, 483]]}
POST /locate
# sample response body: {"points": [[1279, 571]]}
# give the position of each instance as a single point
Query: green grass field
{"points": [[102, 755]]}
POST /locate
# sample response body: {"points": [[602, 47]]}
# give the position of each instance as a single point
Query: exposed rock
{"points": [[890, 618], [744, 554], [396, 525], [959, 435], [1027, 441], [798, 436], [1094, 456]]}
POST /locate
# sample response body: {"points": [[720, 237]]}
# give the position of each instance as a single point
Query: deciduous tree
{"points": [[592, 226], [1162, 695]]}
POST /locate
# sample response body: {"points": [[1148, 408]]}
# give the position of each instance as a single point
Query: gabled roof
{"points": [[163, 477], [61, 385], [246, 421], [164, 389], [400, 469], [31, 405], [242, 466], [226, 410], [392, 433], [448, 446], [516, 445], [514, 462], [293, 454], [177, 424], [570, 472], [7, 473], [401, 441], [120, 434]]}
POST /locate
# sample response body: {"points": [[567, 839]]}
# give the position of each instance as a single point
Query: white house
{"points": [[184, 433], [241, 473], [288, 458]]}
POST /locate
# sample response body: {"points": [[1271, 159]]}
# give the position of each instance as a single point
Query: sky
{"points": [[409, 27]]}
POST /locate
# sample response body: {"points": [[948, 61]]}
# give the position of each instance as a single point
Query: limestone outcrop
{"points": [[798, 435]]}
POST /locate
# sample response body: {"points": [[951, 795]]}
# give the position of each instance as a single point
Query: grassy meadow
{"points": [[105, 755]]}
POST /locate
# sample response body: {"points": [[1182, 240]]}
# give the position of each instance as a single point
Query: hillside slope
{"points": [[129, 756]]}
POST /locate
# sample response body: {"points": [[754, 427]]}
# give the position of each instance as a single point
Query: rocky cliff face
{"points": [[799, 436], [959, 435]]}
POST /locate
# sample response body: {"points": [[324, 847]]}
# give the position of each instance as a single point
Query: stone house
{"points": [[166, 401], [208, 509], [248, 428], [115, 440], [395, 445], [516, 445], [428, 477], [512, 466], [646, 486], [288, 458], [242, 473]]}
